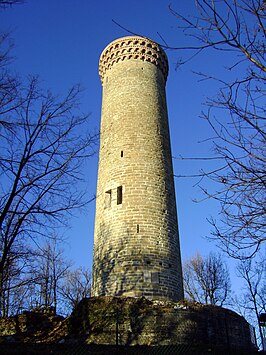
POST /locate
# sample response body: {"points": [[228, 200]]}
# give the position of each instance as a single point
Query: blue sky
{"points": [[62, 40]]}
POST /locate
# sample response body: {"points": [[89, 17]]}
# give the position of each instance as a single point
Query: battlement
{"points": [[132, 47]]}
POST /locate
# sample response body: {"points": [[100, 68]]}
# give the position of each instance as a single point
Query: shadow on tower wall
{"points": [[112, 267], [120, 269]]}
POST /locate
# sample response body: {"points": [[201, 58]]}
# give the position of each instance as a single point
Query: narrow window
{"points": [[155, 277], [119, 195], [122, 153], [147, 276], [137, 228], [107, 198]]}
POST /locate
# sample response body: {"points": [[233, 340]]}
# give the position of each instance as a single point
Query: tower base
{"points": [[111, 325], [181, 327]]}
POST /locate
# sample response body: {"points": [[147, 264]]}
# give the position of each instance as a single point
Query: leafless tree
{"points": [[43, 146], [237, 116], [45, 281], [44, 143], [76, 286], [253, 299], [206, 279], [50, 271], [16, 281]]}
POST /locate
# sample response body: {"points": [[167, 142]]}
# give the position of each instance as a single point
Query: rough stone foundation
{"points": [[105, 325], [131, 321]]}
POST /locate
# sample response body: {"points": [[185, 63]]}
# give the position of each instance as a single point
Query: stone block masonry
{"points": [[167, 327], [136, 241]]}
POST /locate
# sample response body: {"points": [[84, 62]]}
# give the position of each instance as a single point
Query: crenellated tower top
{"points": [[132, 47]]}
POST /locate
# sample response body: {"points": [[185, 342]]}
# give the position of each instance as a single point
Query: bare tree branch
{"points": [[236, 117], [206, 279], [44, 143], [253, 299]]}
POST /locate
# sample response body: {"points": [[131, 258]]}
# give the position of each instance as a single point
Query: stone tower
{"points": [[136, 242]]}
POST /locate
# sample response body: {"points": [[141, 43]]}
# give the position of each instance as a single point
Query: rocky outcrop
{"points": [[30, 326]]}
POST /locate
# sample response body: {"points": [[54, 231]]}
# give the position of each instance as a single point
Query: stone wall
{"points": [[136, 242], [141, 322], [138, 326], [28, 325]]}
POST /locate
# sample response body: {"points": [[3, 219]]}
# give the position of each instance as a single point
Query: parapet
{"points": [[133, 47]]}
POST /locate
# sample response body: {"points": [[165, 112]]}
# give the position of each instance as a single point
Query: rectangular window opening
{"points": [[137, 228], [108, 198], [122, 153], [119, 195], [155, 277], [147, 276]]}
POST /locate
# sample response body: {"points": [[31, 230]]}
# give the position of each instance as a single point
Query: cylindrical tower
{"points": [[136, 242]]}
